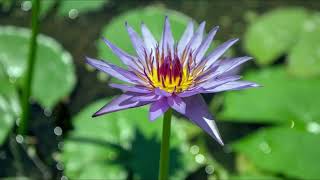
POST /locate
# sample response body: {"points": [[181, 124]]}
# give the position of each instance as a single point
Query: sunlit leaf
{"points": [[127, 140], [273, 34], [79, 6], [9, 105], [304, 58], [290, 152], [282, 99], [54, 75]]}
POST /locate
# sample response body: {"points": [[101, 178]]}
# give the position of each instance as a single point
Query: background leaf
{"points": [[9, 105], [53, 64], [283, 150], [304, 58], [282, 99], [274, 33], [81, 6]]}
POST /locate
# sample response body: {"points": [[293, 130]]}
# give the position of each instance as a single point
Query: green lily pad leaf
{"points": [[153, 17], [274, 33], [124, 141], [53, 65], [304, 58], [282, 99], [9, 106], [68, 7], [253, 177], [290, 152]]}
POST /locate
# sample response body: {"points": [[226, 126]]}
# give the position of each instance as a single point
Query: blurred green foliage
{"points": [[126, 145], [124, 142], [53, 65]]}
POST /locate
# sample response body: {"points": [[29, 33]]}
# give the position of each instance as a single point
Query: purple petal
{"points": [[186, 37], [127, 88], [167, 40], [205, 44], [212, 83], [161, 92], [197, 37], [125, 58], [229, 64], [146, 97], [158, 108], [188, 93], [235, 85], [213, 56], [197, 111], [120, 103], [114, 71], [148, 38], [136, 41], [177, 103]]}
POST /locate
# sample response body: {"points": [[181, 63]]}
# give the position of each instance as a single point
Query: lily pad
{"points": [[124, 141], [79, 6], [54, 76], [152, 16], [9, 106], [282, 99], [290, 152], [304, 58], [274, 34]]}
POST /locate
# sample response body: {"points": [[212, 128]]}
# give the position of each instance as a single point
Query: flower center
{"points": [[170, 76]]}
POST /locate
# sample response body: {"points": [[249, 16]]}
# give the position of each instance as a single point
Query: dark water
{"points": [[78, 36]]}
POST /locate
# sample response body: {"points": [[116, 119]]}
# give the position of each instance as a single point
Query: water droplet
{"points": [[47, 112], [3, 155], [59, 166], [60, 145], [309, 26], [292, 124], [209, 169], [64, 178], [26, 5], [73, 13], [200, 158], [313, 127], [18, 121], [103, 77], [57, 131], [264, 147], [19, 138], [194, 149], [12, 80]]}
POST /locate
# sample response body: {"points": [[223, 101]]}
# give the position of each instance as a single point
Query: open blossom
{"points": [[172, 74]]}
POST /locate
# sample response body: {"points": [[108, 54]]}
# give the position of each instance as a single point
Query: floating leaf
{"points": [[126, 140], [274, 34], [80, 6], [253, 177], [9, 106], [304, 58], [153, 17], [282, 99], [54, 75], [290, 152]]}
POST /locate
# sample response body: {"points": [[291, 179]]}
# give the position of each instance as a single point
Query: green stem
{"points": [[23, 126], [165, 146]]}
